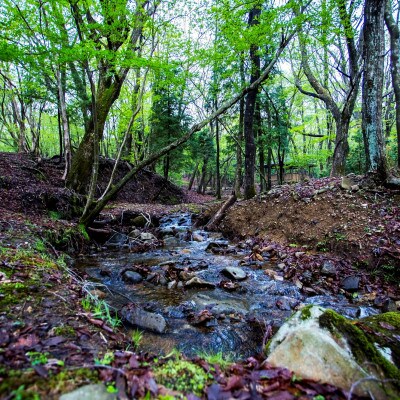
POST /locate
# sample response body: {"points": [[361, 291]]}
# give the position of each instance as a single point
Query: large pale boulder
{"points": [[321, 345]]}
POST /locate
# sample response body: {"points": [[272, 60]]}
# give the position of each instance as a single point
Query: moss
{"points": [[362, 348], [384, 329], [267, 347], [64, 330], [305, 312], [182, 375], [28, 385]]}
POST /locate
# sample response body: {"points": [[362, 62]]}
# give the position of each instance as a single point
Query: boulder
{"points": [[321, 345], [135, 315], [90, 392], [235, 273], [132, 277]]}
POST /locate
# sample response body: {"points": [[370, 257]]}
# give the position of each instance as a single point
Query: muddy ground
{"points": [[51, 342]]}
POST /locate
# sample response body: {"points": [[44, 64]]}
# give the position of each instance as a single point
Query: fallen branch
{"points": [[219, 215]]}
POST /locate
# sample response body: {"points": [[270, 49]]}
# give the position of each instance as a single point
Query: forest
{"points": [[207, 181]]}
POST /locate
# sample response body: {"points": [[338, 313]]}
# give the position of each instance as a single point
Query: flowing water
{"points": [[238, 316]]}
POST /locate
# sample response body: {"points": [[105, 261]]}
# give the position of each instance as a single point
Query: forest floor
{"points": [[51, 341]]}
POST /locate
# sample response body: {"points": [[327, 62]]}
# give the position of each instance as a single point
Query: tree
{"points": [[116, 29], [351, 75], [372, 87], [394, 31], [250, 105]]}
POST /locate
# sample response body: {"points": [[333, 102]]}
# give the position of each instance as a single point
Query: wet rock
{"points": [[351, 283], [104, 272], [308, 345], [169, 263], [147, 236], [143, 319], [235, 273], [229, 285], [197, 237], [90, 392], [199, 283], [286, 303], [186, 276], [132, 277], [212, 246], [328, 268], [117, 240], [171, 285]]}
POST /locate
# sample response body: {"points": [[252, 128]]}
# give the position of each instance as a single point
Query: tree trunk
{"points": [[218, 167], [203, 175], [192, 178], [65, 126], [394, 31], [372, 88], [250, 147], [239, 158], [341, 146]]}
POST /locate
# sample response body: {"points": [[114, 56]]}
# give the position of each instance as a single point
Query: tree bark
{"points": [[239, 158], [250, 147], [394, 32], [372, 88]]}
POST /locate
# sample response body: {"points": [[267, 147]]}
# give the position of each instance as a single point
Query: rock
{"points": [[144, 319], [116, 240], [147, 236], [197, 237], [298, 254], [186, 276], [198, 282], [90, 392], [351, 283], [216, 246], [98, 293], [132, 277], [328, 268], [281, 266], [135, 234], [286, 303], [389, 305], [235, 273], [307, 277], [323, 346], [346, 183], [171, 285], [355, 188], [139, 221]]}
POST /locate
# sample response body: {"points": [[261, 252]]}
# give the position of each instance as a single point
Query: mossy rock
{"points": [[384, 330], [322, 345], [366, 345]]}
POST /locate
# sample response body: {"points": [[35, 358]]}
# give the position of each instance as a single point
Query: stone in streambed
{"points": [[199, 283], [132, 277], [235, 273], [135, 315]]}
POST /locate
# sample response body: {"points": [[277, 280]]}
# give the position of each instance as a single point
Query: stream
{"points": [[206, 308]]}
